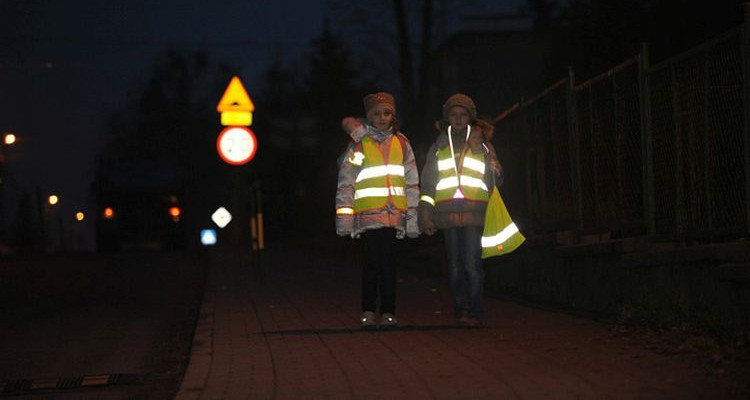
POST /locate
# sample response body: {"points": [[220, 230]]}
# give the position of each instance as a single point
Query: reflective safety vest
{"points": [[381, 177], [466, 181]]}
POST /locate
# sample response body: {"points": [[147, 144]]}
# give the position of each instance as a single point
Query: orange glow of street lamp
{"points": [[53, 199], [175, 213], [80, 216], [109, 213]]}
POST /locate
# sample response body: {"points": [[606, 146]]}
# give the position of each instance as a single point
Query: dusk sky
{"points": [[65, 65]]}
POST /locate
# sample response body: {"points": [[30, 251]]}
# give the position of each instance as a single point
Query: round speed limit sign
{"points": [[236, 145]]}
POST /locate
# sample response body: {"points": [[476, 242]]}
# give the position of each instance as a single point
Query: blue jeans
{"points": [[466, 274]]}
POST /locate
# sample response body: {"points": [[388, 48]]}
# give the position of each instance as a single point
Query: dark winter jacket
{"points": [[457, 212]]}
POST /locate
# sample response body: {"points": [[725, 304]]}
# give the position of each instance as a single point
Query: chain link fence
{"points": [[698, 140], [638, 150]]}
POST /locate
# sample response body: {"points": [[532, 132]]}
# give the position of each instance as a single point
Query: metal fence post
{"points": [[528, 167], [706, 145], [618, 142], [596, 211], [679, 211], [746, 100], [647, 144], [575, 159]]}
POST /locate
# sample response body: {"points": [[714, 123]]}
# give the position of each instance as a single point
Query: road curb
{"points": [[201, 354]]}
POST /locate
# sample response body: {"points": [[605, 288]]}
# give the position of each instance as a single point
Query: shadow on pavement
{"points": [[335, 331]]}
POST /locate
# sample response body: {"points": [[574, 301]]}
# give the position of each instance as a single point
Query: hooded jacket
{"points": [[458, 212], [405, 223]]}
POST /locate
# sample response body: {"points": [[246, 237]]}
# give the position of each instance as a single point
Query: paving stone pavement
{"points": [[294, 335]]}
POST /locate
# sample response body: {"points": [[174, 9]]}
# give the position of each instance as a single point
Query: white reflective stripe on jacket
{"points": [[379, 192], [380, 170], [452, 182]]}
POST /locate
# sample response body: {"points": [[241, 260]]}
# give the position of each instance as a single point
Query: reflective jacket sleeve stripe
{"points": [[345, 184]]}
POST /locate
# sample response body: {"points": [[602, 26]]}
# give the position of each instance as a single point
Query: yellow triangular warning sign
{"points": [[235, 98]]}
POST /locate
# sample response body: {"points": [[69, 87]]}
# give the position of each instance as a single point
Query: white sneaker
{"points": [[367, 320], [388, 320]]}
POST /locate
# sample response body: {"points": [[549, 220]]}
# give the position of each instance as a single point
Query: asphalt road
{"points": [[98, 326]]}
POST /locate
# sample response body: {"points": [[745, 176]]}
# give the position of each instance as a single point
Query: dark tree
{"points": [[397, 47], [543, 12], [300, 110], [279, 119], [334, 91], [24, 231], [161, 147]]}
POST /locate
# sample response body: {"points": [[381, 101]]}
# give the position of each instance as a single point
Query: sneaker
{"points": [[472, 322], [367, 320], [388, 320]]}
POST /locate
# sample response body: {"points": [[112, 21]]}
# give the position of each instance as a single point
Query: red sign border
{"points": [[243, 161]]}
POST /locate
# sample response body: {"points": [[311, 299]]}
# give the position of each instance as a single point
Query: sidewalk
{"points": [[297, 337]]}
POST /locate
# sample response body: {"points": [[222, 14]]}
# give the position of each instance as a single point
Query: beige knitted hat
{"points": [[460, 99]]}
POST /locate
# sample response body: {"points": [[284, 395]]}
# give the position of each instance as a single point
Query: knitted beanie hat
{"points": [[460, 99], [379, 98]]}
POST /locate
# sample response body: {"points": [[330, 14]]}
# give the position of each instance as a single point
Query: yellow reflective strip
{"points": [[427, 199], [345, 210], [505, 234], [474, 164]]}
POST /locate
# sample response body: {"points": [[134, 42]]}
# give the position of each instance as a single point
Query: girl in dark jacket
{"points": [[456, 182]]}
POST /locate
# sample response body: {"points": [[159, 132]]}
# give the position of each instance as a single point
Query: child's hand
{"points": [[349, 124], [496, 167], [344, 224], [428, 227], [430, 231]]}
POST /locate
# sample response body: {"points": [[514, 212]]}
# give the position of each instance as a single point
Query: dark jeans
{"points": [[466, 274], [379, 270]]}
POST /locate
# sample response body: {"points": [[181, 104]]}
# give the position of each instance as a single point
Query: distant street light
{"points": [[53, 199], [80, 216], [9, 138], [175, 212]]}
